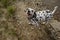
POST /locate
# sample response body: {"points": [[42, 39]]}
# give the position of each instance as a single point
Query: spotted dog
{"points": [[39, 16], [31, 15], [45, 15]]}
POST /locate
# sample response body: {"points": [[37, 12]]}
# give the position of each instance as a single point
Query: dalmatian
{"points": [[45, 15], [36, 17], [31, 15]]}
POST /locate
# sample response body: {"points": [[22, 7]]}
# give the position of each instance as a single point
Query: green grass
{"points": [[7, 3], [11, 10]]}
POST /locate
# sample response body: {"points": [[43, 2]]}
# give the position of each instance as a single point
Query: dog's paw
{"points": [[30, 23]]}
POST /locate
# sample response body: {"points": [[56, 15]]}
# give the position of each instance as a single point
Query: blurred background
{"points": [[14, 24]]}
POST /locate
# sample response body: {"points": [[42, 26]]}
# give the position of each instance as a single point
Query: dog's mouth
{"points": [[28, 13]]}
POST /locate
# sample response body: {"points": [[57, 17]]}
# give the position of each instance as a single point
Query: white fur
{"points": [[32, 13], [44, 15]]}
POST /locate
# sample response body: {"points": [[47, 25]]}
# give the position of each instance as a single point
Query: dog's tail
{"points": [[54, 9]]}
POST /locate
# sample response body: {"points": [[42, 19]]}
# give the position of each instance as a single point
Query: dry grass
{"points": [[17, 28]]}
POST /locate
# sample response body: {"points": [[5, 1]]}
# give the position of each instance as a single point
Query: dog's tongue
{"points": [[28, 13]]}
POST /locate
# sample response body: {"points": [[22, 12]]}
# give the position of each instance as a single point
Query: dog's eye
{"points": [[32, 10]]}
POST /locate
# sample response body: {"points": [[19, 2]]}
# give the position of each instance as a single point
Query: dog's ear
{"points": [[24, 10]]}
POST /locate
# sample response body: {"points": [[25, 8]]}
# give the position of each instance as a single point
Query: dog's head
{"points": [[30, 11]]}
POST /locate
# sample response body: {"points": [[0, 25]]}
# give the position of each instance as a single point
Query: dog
{"points": [[45, 15], [50, 14], [31, 15], [36, 17]]}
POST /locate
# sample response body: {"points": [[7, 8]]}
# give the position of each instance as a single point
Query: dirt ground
{"points": [[29, 32], [17, 27]]}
